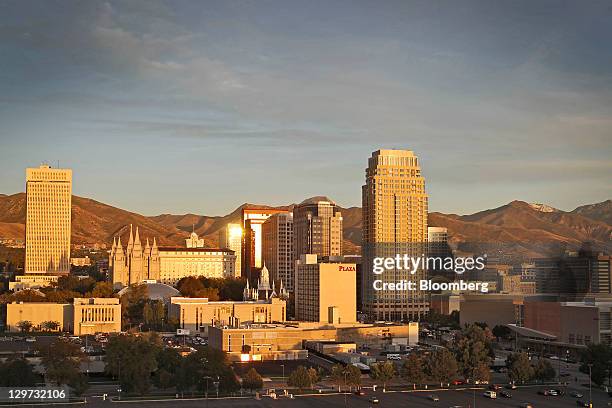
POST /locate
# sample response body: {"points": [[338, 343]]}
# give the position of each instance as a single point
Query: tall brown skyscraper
{"points": [[252, 220], [48, 209], [317, 228], [394, 222]]}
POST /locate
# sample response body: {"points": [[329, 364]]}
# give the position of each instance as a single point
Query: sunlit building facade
{"points": [[394, 205], [277, 247]]}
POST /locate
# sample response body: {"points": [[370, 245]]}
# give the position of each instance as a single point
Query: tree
{"points": [[501, 331], [336, 376], [103, 290], [24, 326], [353, 376], [168, 363], [473, 350], [441, 366], [412, 369], [17, 372], [190, 286], [132, 360], [519, 368], [315, 376], [383, 372], [600, 357], [132, 303], [50, 325], [300, 378], [206, 363], [544, 371], [62, 361], [252, 380]]}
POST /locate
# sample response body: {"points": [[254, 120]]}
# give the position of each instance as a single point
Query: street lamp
{"points": [[590, 394], [206, 392], [282, 365]]}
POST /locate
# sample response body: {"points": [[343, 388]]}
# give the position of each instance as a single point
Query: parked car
{"points": [[374, 400], [434, 398], [511, 386], [30, 339]]}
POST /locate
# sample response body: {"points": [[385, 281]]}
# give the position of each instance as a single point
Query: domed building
{"points": [[155, 291]]}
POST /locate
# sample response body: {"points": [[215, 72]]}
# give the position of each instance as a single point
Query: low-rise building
{"points": [[83, 316], [96, 315], [33, 281], [197, 314], [288, 341]]}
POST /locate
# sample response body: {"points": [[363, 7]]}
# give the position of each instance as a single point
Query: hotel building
{"points": [[277, 248], [325, 291], [394, 205]]}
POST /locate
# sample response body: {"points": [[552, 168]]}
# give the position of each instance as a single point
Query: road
{"points": [[461, 398]]}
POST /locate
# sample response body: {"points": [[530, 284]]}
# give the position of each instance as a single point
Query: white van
{"points": [[394, 357]]}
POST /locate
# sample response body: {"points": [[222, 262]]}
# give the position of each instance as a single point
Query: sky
{"points": [[200, 106]]}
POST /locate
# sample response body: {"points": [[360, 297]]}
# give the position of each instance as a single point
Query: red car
{"points": [[458, 382], [495, 387]]}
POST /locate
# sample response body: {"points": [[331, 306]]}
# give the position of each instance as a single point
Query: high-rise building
{"points": [[325, 291], [252, 219], [437, 247], [394, 205], [317, 228], [230, 237], [277, 248], [48, 209]]}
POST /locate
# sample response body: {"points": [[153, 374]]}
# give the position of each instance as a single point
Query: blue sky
{"points": [[175, 107]]}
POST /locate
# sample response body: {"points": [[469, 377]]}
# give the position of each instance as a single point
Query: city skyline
{"points": [[500, 102]]}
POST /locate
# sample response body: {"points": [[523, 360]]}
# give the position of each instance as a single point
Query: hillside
{"points": [[530, 229]]}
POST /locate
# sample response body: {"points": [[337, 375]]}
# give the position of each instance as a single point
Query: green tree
{"points": [[337, 376], [412, 369], [103, 290], [383, 372], [17, 372], [501, 331], [190, 286], [168, 363], [206, 363], [62, 361], [600, 357], [50, 325], [24, 326], [519, 368], [252, 380], [544, 371], [132, 360], [300, 378], [353, 376], [473, 350], [132, 304], [441, 366]]}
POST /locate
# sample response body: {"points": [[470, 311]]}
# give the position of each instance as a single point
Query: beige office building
{"points": [[197, 314], [83, 316], [48, 209], [325, 292], [394, 205], [96, 315], [231, 237], [277, 248], [37, 313]]}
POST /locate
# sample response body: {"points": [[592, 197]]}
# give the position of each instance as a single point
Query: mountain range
{"points": [[528, 227]]}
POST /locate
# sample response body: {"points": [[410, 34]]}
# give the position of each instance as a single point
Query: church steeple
{"points": [[130, 244]]}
